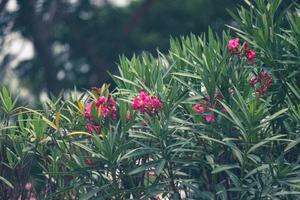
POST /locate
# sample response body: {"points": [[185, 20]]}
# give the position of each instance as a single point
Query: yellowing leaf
{"points": [[45, 140], [80, 106], [57, 117], [99, 111], [79, 133], [49, 123]]}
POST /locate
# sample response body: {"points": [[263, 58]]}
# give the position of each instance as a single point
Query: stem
{"points": [[172, 182], [170, 172]]}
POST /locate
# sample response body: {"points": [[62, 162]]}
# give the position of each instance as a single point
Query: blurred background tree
{"points": [[76, 42]]}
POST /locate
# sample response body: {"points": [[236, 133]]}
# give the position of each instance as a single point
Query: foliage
{"points": [[214, 118]]}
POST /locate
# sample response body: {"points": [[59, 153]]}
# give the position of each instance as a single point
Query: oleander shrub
{"points": [[218, 117]]}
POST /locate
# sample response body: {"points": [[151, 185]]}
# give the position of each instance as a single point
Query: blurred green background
{"points": [[51, 45]]}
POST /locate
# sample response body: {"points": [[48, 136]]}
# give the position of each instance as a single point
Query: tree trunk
{"points": [[41, 38]]}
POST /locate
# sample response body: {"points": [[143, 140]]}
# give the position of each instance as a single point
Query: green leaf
{"points": [[224, 168], [292, 144], [6, 182], [160, 167], [265, 141], [274, 116]]}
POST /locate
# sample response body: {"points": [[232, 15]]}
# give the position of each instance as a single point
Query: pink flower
{"points": [[88, 111], [198, 108], [250, 55], [246, 46], [210, 118], [155, 102], [144, 96], [104, 111], [207, 106], [233, 45], [137, 104], [100, 101], [88, 161], [265, 82], [253, 82], [218, 96], [28, 186], [146, 103], [107, 106], [113, 115], [92, 128]]}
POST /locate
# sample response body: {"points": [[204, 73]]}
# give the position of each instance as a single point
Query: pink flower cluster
{"points": [[262, 82], [105, 106], [208, 117], [206, 113], [145, 103], [250, 54], [93, 128], [233, 46]]}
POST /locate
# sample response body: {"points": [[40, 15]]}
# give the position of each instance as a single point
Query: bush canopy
{"points": [[217, 117]]}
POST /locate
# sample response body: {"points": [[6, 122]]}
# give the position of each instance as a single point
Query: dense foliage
{"points": [[215, 118]]}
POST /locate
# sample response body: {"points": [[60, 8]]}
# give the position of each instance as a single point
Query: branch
{"points": [[52, 11]]}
